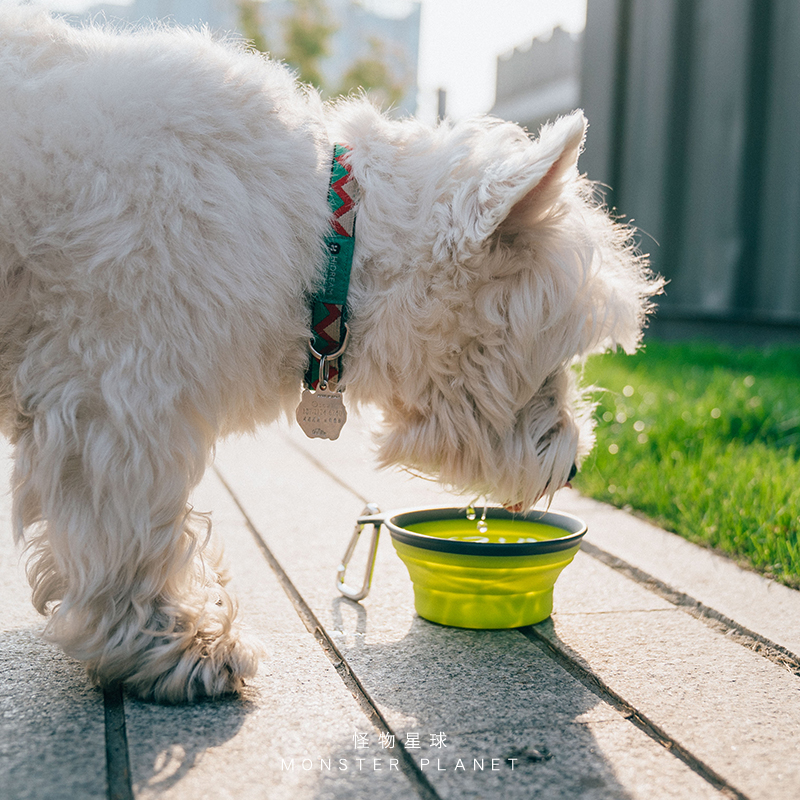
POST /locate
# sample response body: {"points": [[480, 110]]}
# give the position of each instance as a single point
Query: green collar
{"points": [[329, 303]]}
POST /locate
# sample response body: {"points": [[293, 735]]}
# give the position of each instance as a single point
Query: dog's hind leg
{"points": [[118, 560]]}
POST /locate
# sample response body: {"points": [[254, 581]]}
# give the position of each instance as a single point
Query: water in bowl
{"points": [[497, 531]]}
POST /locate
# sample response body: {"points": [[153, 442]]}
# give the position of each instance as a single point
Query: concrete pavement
{"points": [[664, 672]]}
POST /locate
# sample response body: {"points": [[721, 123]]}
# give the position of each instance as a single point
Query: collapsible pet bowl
{"points": [[500, 578]]}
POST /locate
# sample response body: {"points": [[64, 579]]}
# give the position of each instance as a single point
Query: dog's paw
{"points": [[208, 668]]}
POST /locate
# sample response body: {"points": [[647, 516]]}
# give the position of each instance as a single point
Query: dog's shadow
{"points": [[495, 696], [167, 742]]}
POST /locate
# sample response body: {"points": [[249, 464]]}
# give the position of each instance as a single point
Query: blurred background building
{"points": [[695, 128], [539, 80], [695, 124]]}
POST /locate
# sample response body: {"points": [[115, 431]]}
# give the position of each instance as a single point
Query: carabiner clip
{"points": [[370, 510]]}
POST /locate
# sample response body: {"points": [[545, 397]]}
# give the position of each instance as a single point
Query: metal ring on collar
{"points": [[331, 356]]}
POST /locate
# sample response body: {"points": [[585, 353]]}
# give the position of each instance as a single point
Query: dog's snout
{"points": [[572, 472]]}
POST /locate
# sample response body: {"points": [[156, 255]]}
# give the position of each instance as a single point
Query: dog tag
{"points": [[321, 414]]}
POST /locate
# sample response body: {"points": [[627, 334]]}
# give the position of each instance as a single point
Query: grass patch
{"points": [[705, 441]]}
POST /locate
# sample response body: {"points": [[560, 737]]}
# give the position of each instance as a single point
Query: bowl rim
{"points": [[574, 527]]}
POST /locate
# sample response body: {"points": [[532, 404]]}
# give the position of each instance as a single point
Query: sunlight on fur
{"points": [[156, 255]]}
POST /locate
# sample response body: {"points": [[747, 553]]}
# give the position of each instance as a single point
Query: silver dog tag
{"points": [[321, 414]]}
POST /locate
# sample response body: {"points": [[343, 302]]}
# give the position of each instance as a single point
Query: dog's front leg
{"points": [[118, 560]]}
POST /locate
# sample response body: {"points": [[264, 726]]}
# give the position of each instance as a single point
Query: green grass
{"points": [[705, 441]]}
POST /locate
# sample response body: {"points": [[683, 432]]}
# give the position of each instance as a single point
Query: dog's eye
{"points": [[573, 471]]}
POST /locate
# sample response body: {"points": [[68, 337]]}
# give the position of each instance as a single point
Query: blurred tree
{"points": [[373, 74], [307, 33], [251, 23]]}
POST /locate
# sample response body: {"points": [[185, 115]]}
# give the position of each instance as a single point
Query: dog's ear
{"points": [[557, 151], [554, 157], [512, 194]]}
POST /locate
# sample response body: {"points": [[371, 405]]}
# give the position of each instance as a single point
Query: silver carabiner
{"points": [[370, 510]]}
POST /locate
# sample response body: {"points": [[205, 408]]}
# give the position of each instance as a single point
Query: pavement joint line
{"points": [[604, 692], [413, 772], [118, 768], [323, 468], [715, 620]]}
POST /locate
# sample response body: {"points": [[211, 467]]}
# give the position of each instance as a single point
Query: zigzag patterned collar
{"points": [[329, 303]]}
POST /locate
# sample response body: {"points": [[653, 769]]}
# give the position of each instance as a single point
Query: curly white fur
{"points": [[162, 207]]}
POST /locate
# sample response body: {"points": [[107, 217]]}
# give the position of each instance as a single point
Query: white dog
{"points": [[163, 208]]}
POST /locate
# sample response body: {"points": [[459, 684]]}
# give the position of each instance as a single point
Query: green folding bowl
{"points": [[502, 578]]}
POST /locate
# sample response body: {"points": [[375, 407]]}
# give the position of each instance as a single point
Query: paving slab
{"points": [[52, 735], [494, 695], [756, 603], [291, 735], [733, 709]]}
